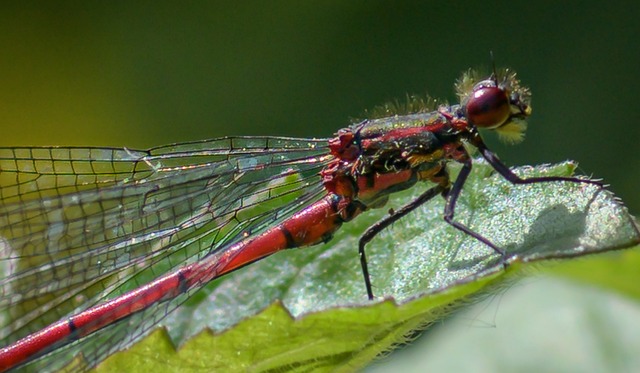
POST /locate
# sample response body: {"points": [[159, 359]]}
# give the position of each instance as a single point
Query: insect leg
{"points": [[378, 227], [451, 197], [503, 170]]}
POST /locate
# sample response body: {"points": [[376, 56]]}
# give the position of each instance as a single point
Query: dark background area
{"points": [[145, 74]]}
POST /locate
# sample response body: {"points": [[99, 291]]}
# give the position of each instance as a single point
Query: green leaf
{"points": [[617, 272], [541, 324], [307, 310]]}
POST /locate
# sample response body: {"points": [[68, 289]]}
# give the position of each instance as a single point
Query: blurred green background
{"points": [[149, 73]]}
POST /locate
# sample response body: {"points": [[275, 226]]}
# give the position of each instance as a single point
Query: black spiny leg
{"points": [[503, 170], [453, 194], [449, 209], [378, 227]]}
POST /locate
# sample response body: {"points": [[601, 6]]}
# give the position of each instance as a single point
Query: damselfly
{"points": [[93, 238]]}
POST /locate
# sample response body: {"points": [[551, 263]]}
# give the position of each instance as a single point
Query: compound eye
{"points": [[488, 107]]}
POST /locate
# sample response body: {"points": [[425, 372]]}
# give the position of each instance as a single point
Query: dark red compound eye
{"points": [[488, 107]]}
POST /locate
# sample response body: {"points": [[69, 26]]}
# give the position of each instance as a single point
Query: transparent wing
{"points": [[81, 225]]}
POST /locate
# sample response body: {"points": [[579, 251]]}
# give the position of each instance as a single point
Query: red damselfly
{"points": [[109, 241]]}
